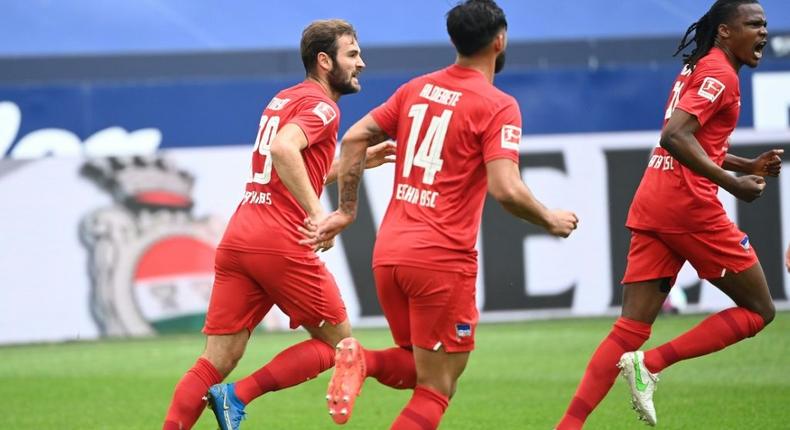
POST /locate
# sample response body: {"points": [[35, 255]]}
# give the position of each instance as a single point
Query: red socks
{"points": [[714, 333], [424, 410], [188, 403], [626, 335], [290, 367], [393, 367]]}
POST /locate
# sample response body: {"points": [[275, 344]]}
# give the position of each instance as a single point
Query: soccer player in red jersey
{"points": [[458, 137], [676, 217], [259, 262]]}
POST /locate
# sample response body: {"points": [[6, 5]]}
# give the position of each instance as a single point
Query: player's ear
{"points": [[324, 61], [500, 41], [723, 32]]}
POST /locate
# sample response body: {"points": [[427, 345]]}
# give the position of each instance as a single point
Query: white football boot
{"points": [[642, 384]]}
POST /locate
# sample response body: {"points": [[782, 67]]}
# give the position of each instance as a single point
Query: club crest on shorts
{"points": [[463, 330], [745, 243], [151, 262]]}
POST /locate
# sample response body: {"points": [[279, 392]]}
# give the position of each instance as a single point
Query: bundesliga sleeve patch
{"points": [[711, 89], [511, 137], [325, 112]]}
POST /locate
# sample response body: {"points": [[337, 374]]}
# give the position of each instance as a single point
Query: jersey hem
{"points": [[642, 227], [307, 252], [422, 265]]}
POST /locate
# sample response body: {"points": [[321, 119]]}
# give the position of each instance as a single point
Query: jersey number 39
{"points": [[263, 144]]}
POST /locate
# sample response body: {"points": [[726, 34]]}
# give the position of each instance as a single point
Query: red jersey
{"points": [[672, 198], [268, 215], [448, 125]]}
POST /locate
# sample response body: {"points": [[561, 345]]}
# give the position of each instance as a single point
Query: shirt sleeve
{"points": [[386, 115], [502, 136], [709, 90], [318, 119]]}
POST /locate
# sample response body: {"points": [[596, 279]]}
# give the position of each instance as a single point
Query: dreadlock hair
{"points": [[706, 29]]}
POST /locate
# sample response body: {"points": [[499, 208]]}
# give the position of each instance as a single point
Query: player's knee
{"points": [[332, 338], [453, 389], [766, 311], [330, 334], [342, 333], [224, 361], [226, 365], [439, 383], [768, 314]]}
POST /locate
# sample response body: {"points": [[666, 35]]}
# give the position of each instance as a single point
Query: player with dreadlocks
{"points": [[676, 217]]}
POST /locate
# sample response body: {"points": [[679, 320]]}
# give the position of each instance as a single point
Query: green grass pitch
{"points": [[521, 376]]}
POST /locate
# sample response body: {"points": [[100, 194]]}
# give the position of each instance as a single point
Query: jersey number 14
{"points": [[429, 154]]}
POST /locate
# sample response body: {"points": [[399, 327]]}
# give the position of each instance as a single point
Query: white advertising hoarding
{"points": [[81, 260]]}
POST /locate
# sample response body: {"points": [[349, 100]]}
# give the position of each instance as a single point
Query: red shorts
{"points": [[246, 285], [654, 255], [428, 308]]}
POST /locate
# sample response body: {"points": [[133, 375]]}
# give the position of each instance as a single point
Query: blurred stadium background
{"points": [[125, 131]]}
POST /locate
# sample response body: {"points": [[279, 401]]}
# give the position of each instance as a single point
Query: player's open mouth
{"points": [[758, 49]]}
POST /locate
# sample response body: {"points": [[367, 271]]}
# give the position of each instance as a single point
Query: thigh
{"points": [[301, 286], [748, 289], [442, 309], [237, 301], [650, 258], [394, 304], [714, 253]]}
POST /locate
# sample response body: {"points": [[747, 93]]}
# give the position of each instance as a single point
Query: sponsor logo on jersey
{"points": [[277, 103], [711, 89], [325, 112], [511, 137]]}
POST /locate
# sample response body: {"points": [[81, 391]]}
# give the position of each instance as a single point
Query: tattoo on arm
{"points": [[376, 136], [349, 186], [350, 180]]}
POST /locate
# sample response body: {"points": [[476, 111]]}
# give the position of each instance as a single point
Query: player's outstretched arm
{"points": [[678, 139], [376, 155], [768, 163], [787, 259], [353, 156], [506, 186]]}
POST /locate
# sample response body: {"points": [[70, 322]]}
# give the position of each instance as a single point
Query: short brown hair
{"points": [[321, 36]]}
